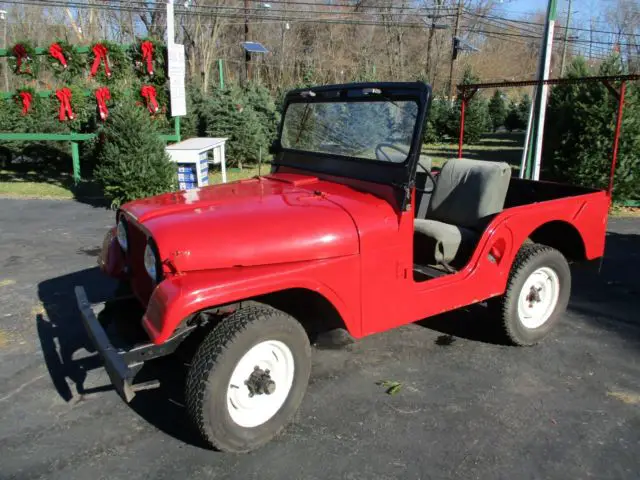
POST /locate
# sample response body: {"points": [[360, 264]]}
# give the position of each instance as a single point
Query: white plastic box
{"points": [[192, 157]]}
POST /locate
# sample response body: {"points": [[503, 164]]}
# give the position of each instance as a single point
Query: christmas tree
{"points": [[497, 110], [132, 162]]}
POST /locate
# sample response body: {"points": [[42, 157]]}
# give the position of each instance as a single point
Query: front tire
{"points": [[248, 378], [537, 294]]}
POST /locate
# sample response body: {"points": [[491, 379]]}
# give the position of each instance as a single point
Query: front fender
{"points": [[178, 297]]}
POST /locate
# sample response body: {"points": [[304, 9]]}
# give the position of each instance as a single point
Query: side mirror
{"points": [[275, 147]]}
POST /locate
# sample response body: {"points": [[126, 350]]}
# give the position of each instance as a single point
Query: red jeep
{"points": [[350, 229]]}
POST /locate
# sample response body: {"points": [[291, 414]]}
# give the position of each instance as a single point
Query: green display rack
{"points": [[74, 138]]}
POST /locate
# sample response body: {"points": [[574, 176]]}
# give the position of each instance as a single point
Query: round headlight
{"points": [[151, 262], [122, 234]]}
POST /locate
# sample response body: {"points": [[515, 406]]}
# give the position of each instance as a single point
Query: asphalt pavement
{"points": [[468, 407]]}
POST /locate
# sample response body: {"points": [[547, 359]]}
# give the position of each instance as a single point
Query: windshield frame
{"points": [[378, 171]]}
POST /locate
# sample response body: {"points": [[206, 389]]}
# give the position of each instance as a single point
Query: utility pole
{"points": [[566, 36], [532, 154], [432, 32], [5, 67], [590, 38], [285, 27], [454, 52], [247, 55], [171, 28]]}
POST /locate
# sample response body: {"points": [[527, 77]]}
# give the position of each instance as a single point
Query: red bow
{"points": [[102, 95], [148, 92], [20, 52], [101, 54], [147, 55], [26, 98], [55, 50], [64, 95]]}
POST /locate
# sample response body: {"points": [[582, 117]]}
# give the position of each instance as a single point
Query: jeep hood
{"points": [[260, 221]]}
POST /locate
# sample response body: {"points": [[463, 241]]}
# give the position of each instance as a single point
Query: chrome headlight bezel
{"points": [[152, 263], [122, 234]]}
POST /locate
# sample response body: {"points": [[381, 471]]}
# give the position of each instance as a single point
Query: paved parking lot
{"points": [[469, 408]]}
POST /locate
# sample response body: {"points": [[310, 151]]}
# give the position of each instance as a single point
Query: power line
{"points": [[239, 14], [525, 22], [216, 11], [128, 6], [358, 5]]}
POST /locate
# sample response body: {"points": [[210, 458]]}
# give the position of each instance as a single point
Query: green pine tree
{"points": [[436, 124], [227, 114], [579, 132], [524, 109], [497, 110], [512, 119], [261, 101], [477, 121], [132, 162]]}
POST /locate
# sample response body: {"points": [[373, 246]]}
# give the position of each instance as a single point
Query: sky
{"points": [[581, 8]]}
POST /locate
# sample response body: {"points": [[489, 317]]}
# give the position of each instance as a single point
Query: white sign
{"points": [[178, 97], [176, 79], [176, 60]]}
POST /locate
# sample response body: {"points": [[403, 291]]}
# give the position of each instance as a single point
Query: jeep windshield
{"points": [[364, 131], [379, 130]]}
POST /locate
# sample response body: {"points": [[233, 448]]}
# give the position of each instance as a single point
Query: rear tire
{"points": [[256, 348], [537, 294]]}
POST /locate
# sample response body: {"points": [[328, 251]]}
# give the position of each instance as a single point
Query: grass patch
{"points": [[35, 190], [620, 211], [33, 183], [497, 147], [233, 174]]}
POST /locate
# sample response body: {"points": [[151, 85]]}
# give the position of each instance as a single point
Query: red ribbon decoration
{"points": [[26, 99], [147, 55], [20, 52], [55, 50], [64, 95], [148, 92], [100, 53], [102, 95]]}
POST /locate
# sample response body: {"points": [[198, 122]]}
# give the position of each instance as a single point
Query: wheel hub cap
{"points": [[260, 383], [538, 297]]}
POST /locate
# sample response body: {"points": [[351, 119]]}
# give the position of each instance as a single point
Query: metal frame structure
{"points": [[72, 137], [468, 91]]}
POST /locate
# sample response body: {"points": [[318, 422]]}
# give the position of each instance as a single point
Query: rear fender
{"points": [[181, 296]]}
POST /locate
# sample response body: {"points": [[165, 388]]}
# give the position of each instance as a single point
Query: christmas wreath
{"points": [[107, 61], [25, 98], [148, 55], [71, 106], [103, 102], [23, 60], [65, 62]]}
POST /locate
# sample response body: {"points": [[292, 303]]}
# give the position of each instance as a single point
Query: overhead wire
{"points": [[240, 12]]}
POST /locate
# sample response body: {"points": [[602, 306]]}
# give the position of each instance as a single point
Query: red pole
{"points": [[616, 139], [462, 108]]}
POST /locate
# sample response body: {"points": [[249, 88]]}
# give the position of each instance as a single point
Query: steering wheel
{"points": [[380, 146], [431, 177]]}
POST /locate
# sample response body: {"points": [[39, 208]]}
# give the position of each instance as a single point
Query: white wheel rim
{"points": [[538, 297], [251, 411]]}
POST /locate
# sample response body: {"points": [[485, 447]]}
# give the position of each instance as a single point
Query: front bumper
{"points": [[123, 364]]}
